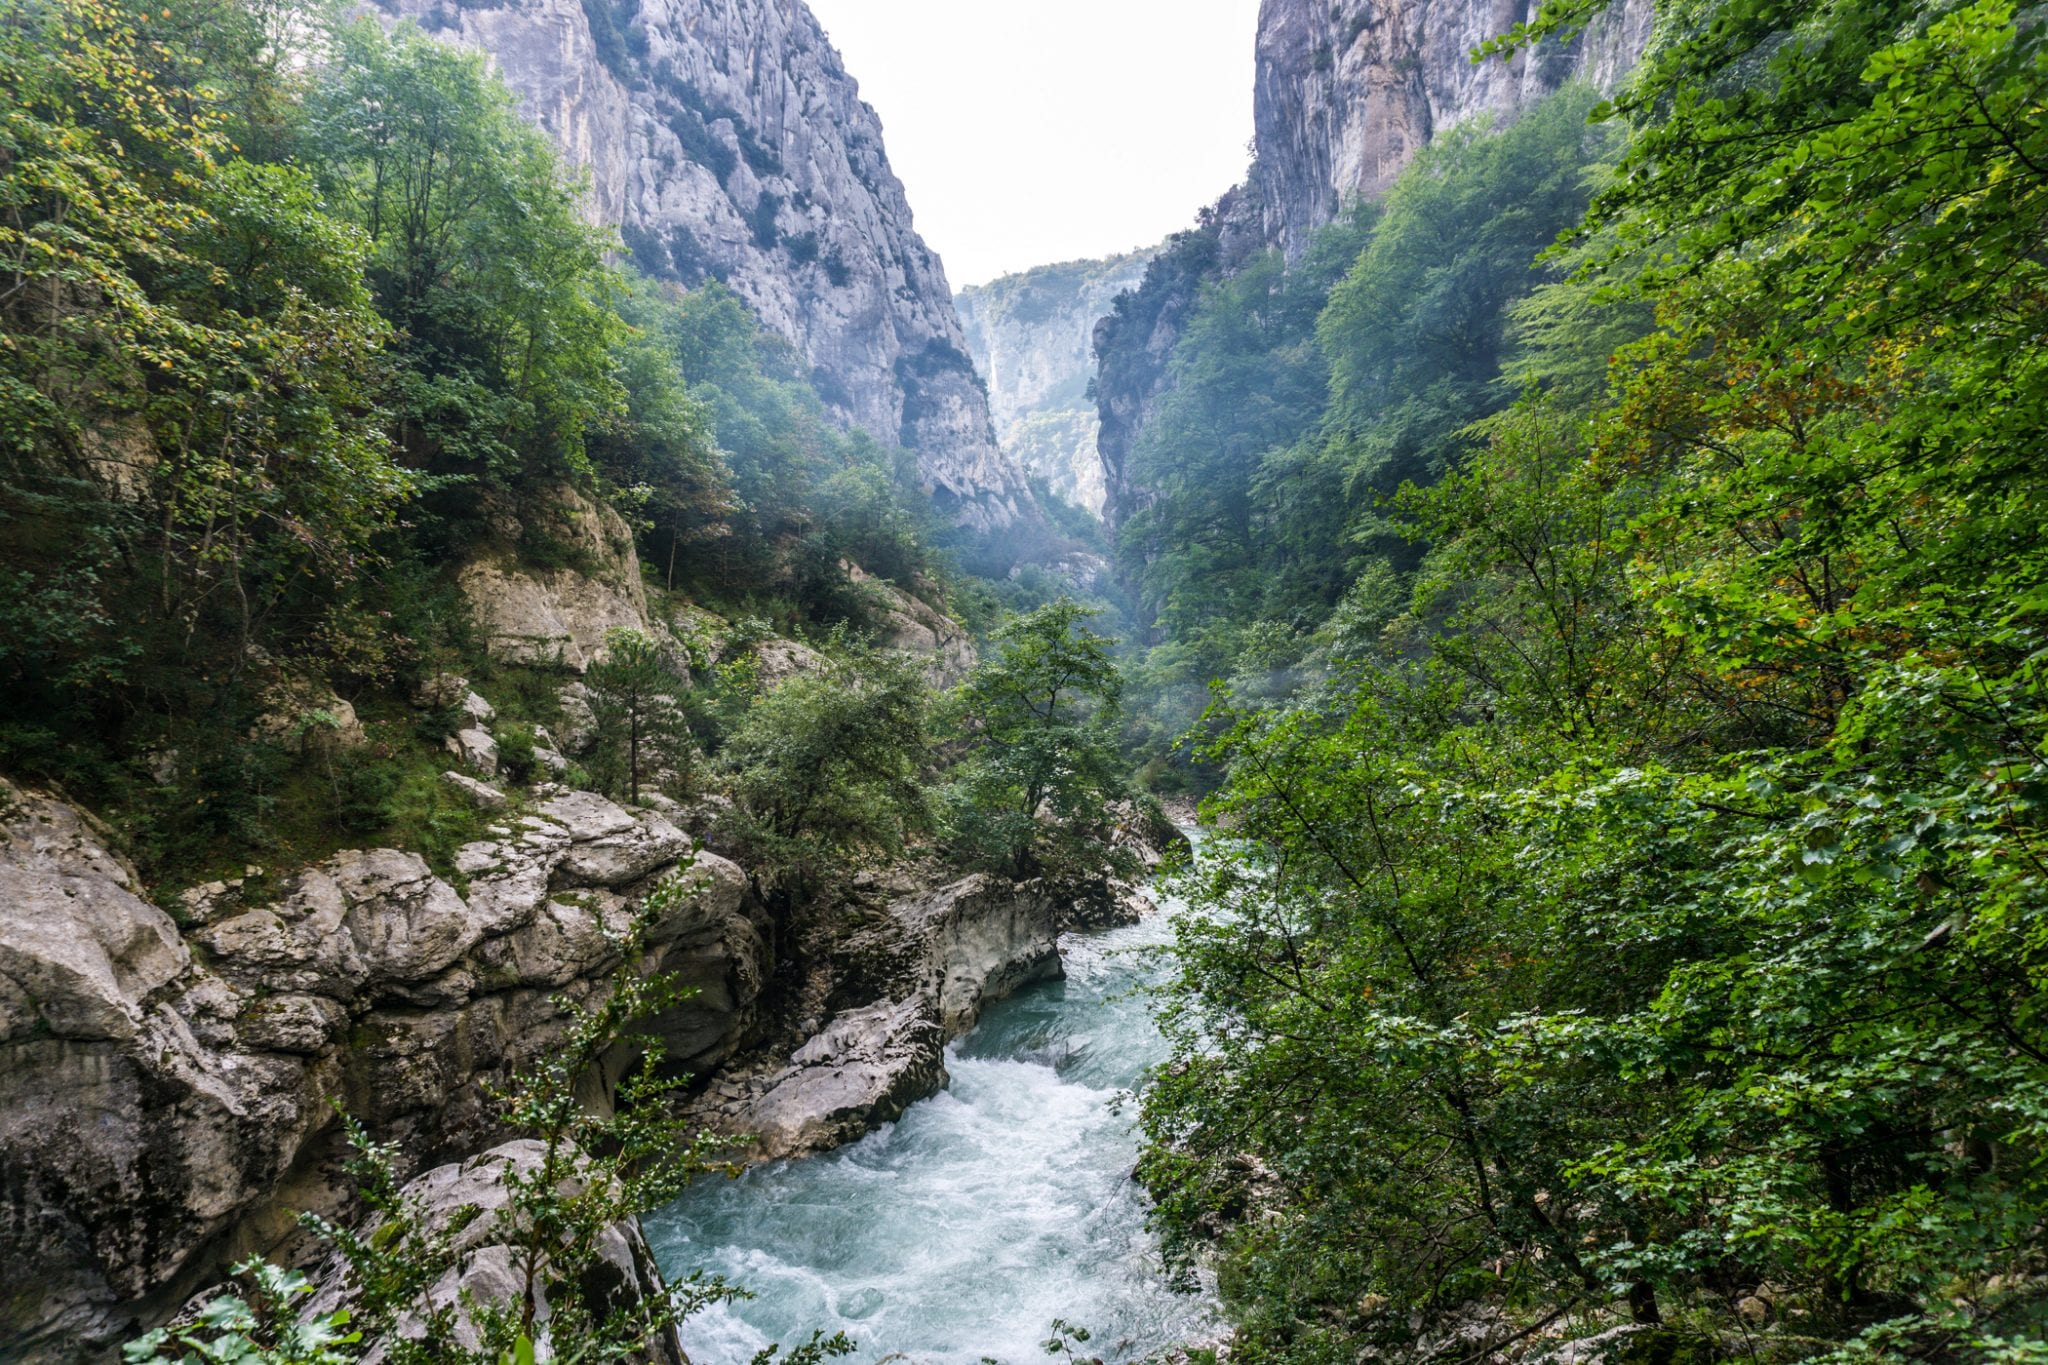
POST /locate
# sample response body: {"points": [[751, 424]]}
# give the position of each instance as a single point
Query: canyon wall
{"points": [[1032, 337], [726, 140], [1347, 92]]}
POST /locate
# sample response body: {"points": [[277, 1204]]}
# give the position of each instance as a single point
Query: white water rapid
{"points": [[961, 1231]]}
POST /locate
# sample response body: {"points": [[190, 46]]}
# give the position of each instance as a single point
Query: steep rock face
{"points": [[1032, 338], [558, 616], [1133, 347], [727, 141], [914, 626], [166, 1090], [1347, 92], [915, 974]]}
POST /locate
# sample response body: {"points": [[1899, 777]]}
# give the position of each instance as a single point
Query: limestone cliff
{"points": [[1032, 337], [165, 1084], [1347, 92], [727, 141]]}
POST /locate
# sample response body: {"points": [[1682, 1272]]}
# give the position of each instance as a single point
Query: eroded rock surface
{"points": [[728, 142], [863, 1070], [489, 1271], [560, 615], [912, 977], [915, 626], [1348, 93], [164, 1096]]}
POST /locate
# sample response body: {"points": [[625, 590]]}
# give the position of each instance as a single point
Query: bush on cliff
{"points": [[825, 768]]}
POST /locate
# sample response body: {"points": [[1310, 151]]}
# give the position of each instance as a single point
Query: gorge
{"points": [[1446, 765]]}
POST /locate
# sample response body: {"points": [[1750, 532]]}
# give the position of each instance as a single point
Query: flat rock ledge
{"points": [[925, 970]]}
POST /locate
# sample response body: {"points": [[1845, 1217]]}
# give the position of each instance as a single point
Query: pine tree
{"points": [[637, 697]]}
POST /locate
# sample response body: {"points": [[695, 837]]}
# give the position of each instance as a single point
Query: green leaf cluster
{"points": [[1637, 918]]}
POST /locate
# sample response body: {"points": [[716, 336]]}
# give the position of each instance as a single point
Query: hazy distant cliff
{"points": [[1032, 338], [1348, 91], [727, 140]]}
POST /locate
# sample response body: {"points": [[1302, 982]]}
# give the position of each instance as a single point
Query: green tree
{"points": [[803, 493], [189, 369], [824, 766], [480, 257], [639, 702], [1033, 795], [1647, 922]]}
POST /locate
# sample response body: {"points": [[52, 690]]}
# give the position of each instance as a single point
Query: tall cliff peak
{"points": [[1032, 337], [1348, 91], [727, 141]]}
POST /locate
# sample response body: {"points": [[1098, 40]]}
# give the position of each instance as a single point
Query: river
{"points": [[961, 1231]]}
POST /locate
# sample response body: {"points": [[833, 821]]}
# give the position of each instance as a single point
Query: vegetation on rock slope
{"points": [[1638, 915], [1633, 714], [287, 343]]}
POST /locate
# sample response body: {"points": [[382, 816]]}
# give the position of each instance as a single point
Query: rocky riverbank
{"points": [[169, 1077]]}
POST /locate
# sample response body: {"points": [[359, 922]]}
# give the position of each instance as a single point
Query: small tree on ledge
{"points": [[638, 701]]}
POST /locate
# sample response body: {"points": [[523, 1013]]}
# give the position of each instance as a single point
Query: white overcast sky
{"points": [[1031, 131]]}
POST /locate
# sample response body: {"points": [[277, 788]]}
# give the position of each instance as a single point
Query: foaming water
{"points": [[961, 1231]]}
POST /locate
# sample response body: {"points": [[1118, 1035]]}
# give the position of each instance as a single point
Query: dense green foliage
{"points": [[1299, 398], [826, 767], [262, 1329], [1036, 789], [801, 494], [287, 338], [1637, 914]]}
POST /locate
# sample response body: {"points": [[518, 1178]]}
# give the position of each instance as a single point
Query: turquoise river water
{"points": [[959, 1233]]}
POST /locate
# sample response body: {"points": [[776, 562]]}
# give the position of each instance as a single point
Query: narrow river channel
{"points": [[961, 1231]]}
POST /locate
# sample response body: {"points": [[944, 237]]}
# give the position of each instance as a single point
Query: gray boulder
{"points": [[479, 794], [477, 750], [863, 1070], [914, 626], [916, 975], [163, 1110], [780, 660], [982, 939], [488, 1271]]}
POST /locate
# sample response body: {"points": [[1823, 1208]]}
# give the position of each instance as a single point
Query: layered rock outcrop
{"points": [[1032, 338], [168, 1085], [168, 1090], [727, 141], [914, 626], [914, 974], [557, 616]]}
